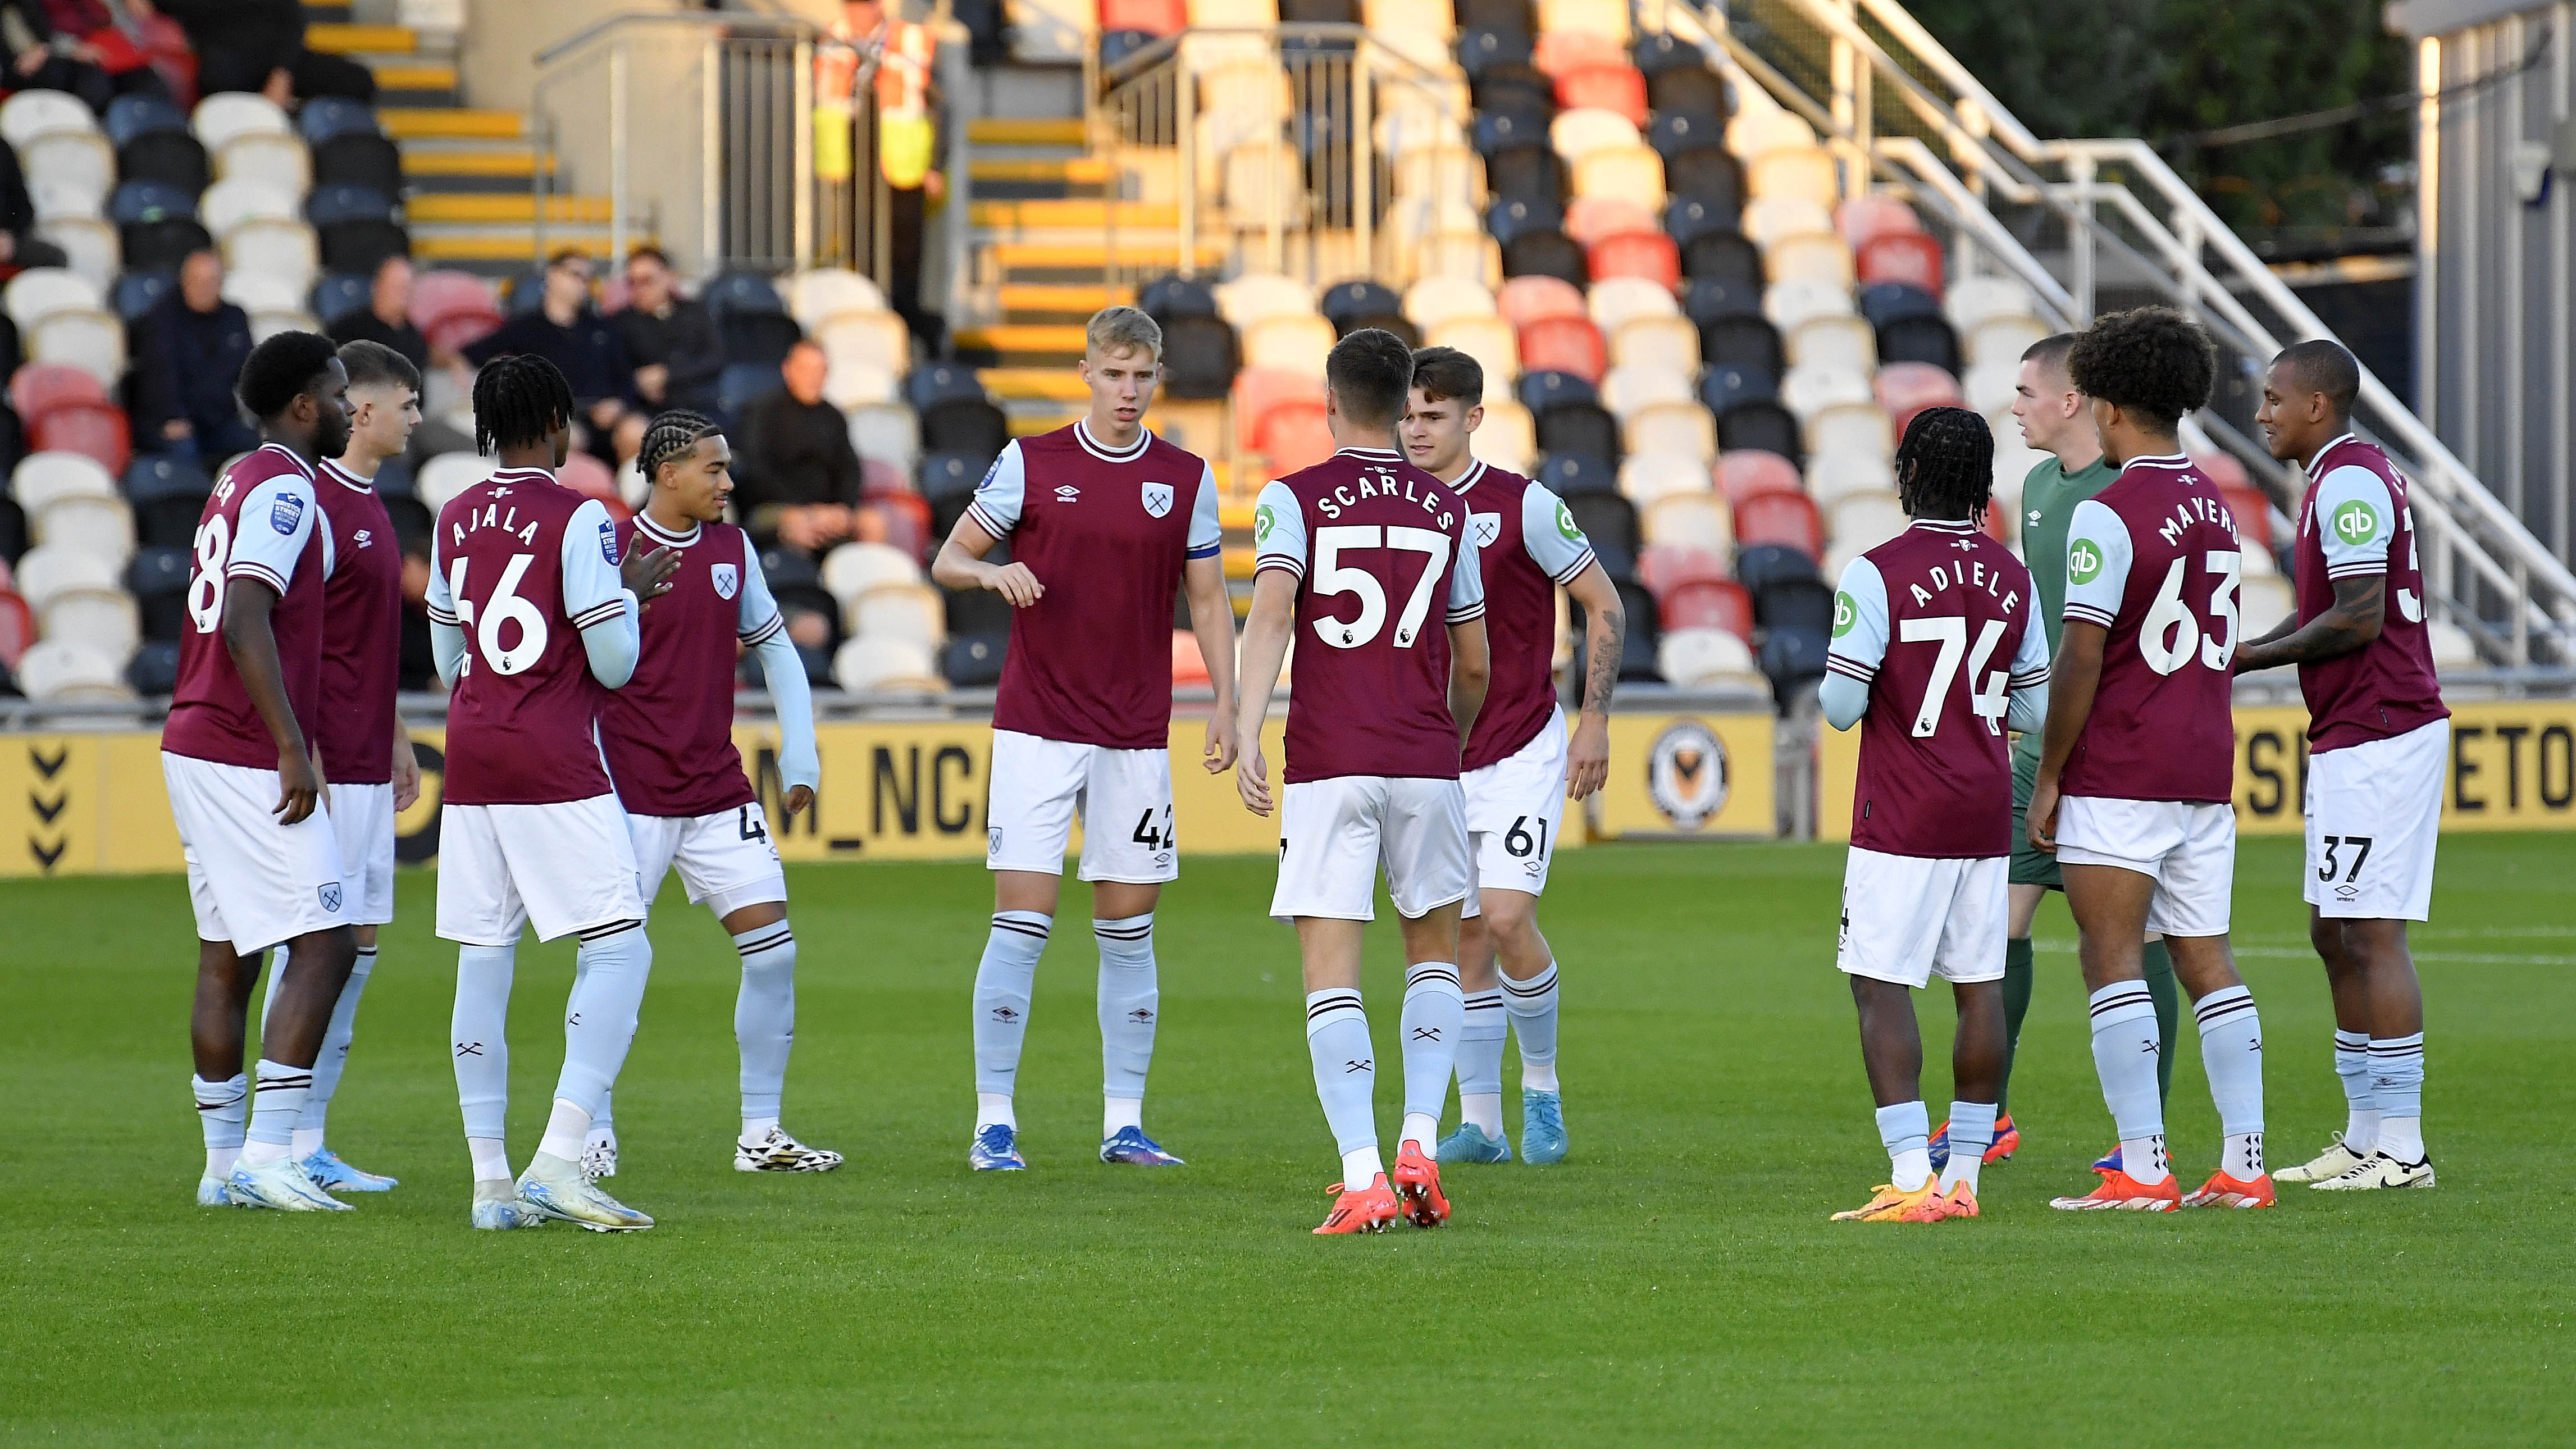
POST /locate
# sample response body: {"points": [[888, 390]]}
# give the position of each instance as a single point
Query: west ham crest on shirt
{"points": [[1488, 526], [1158, 499], [728, 579]]}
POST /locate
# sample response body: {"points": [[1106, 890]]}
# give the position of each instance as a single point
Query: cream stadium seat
{"points": [[1856, 428], [865, 666], [39, 292], [1648, 477], [1290, 342], [1809, 390], [851, 383], [31, 114], [1767, 219], [1813, 256], [91, 341], [1440, 170], [1626, 389], [2264, 600], [448, 474], [1687, 520], [1860, 521], [854, 568], [226, 115], [1508, 438], [828, 292], [1579, 132], [91, 247], [283, 249], [1788, 303], [227, 204], [84, 523], [1489, 340], [1437, 299], [2001, 339], [1616, 301], [887, 432], [2454, 648], [1760, 125], [1605, 18], [260, 292], [1990, 388], [1629, 173], [1681, 429], [1705, 658], [1255, 295], [1968, 301], [1834, 476], [912, 613], [56, 671], [42, 479], [1845, 342], [1801, 171], [270, 160], [1263, 179], [1669, 344], [876, 339]]}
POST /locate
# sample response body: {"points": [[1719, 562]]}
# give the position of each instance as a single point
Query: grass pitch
{"points": [[1675, 1282]]}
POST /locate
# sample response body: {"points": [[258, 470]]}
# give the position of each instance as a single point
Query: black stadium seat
{"points": [[1706, 299], [1514, 16], [1515, 216], [154, 670], [1579, 428], [1760, 566], [1723, 256], [167, 494], [939, 382], [1201, 355], [158, 579], [1885, 302], [965, 425], [1571, 475], [1764, 425], [175, 157], [1482, 50], [1352, 305], [1165, 298], [741, 292], [1743, 340], [1546, 254], [1540, 391], [1795, 603], [1531, 171], [759, 338], [1608, 519], [977, 611], [1920, 339], [359, 159], [974, 661], [1708, 173], [946, 475], [361, 245], [1689, 218], [1728, 387]]}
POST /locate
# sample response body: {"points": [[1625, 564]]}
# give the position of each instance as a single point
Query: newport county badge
{"points": [[728, 579], [1488, 527], [1686, 774], [1158, 499]]}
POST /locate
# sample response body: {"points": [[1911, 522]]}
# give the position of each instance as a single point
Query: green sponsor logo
{"points": [[2083, 561], [1846, 614], [2356, 522], [1262, 522], [1565, 524]]}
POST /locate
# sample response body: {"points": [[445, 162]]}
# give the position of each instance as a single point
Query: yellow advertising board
{"points": [[2513, 767], [1689, 777]]}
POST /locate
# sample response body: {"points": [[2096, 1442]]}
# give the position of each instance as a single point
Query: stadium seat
{"points": [[1616, 301], [39, 292], [2264, 600], [1835, 475], [1680, 428], [1355, 304], [158, 579], [1528, 170], [854, 568], [1259, 392], [1562, 344], [1972, 300], [56, 671], [1479, 50], [972, 661], [867, 666], [1858, 521], [1617, 88], [1559, 53], [1288, 342], [1816, 386], [1786, 519], [1524, 300], [95, 430], [1817, 256], [900, 436], [1768, 219], [38, 388], [138, 292], [945, 475], [1570, 475], [1578, 133], [1647, 477], [1509, 437], [1836, 341], [448, 474], [1201, 356], [1294, 435], [1744, 472], [2001, 338], [1489, 340], [1713, 604], [733, 293], [31, 114], [2453, 648], [1539, 391], [1724, 257], [910, 613], [1703, 656], [1548, 254], [1630, 173], [1438, 299], [1909, 257], [1688, 520], [1579, 428], [93, 341], [167, 495], [1858, 429], [17, 628], [1862, 219], [828, 292], [1887, 302], [1763, 426], [1626, 389], [763, 339], [1926, 339], [1256, 295], [1590, 218], [1650, 255], [1610, 522], [1705, 300], [1723, 387], [1677, 76], [740, 383]]}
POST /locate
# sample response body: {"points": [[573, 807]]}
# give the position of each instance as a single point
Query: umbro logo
{"points": [[1141, 1016], [1005, 1014], [366, 536], [1067, 493]]}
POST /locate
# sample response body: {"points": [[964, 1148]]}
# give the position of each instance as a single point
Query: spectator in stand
{"points": [[76, 46], [871, 47], [19, 244], [258, 45], [797, 477], [565, 330], [671, 339], [387, 316], [188, 350]]}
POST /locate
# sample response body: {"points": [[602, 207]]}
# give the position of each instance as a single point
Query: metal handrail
{"points": [[727, 20]]}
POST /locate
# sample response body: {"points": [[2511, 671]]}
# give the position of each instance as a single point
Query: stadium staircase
{"points": [[474, 174]]}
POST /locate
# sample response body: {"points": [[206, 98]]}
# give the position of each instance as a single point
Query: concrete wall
{"points": [[497, 65]]}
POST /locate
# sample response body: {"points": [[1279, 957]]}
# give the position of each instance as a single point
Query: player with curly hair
{"points": [[2137, 764], [668, 735], [1935, 653]]}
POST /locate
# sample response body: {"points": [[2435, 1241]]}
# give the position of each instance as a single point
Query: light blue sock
{"points": [[334, 1056], [2361, 1108], [1003, 981], [1972, 1131], [1906, 1129], [2397, 1084], [764, 1017], [1337, 1039], [1434, 1013], [2125, 1045], [222, 1108], [1130, 1002], [277, 1099], [1480, 1062], [478, 1037], [1532, 1005], [599, 1021]]}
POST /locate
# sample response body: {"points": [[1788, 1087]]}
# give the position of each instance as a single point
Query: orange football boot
{"points": [[1370, 1209], [1958, 1202], [2119, 1190], [1417, 1181], [1890, 1206], [2235, 1192]]}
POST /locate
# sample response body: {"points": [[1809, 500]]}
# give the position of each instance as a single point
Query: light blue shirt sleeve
{"points": [[446, 632], [1844, 698], [1207, 532], [1549, 536], [782, 670], [276, 521], [1860, 623], [758, 617], [996, 508], [1279, 531], [1467, 580], [595, 596], [2352, 517], [2029, 682], [2098, 553]]}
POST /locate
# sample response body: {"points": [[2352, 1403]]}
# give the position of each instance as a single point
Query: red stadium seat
{"points": [[2253, 510], [1616, 87], [1909, 257], [589, 477], [1294, 436], [1524, 300], [437, 294], [1558, 53], [1865, 218], [1592, 218], [1992, 520], [40, 387], [1154, 17], [1716, 604], [17, 628], [1189, 665], [898, 520], [1907, 388], [1564, 344], [879, 478], [94, 429], [1651, 255], [1259, 390], [1664, 567], [1781, 518], [1744, 472]]}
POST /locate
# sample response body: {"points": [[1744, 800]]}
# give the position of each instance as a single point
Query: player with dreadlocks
{"points": [[535, 616], [1935, 651], [669, 739]]}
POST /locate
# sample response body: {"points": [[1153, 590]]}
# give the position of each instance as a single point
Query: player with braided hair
{"points": [[535, 615], [1934, 652], [668, 735]]}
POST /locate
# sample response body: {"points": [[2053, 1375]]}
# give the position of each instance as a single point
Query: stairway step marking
{"points": [[353, 39], [407, 123]]}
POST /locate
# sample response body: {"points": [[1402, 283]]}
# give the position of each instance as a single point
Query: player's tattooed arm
{"points": [[960, 565], [2072, 682], [1605, 634], [2358, 613], [252, 641]]}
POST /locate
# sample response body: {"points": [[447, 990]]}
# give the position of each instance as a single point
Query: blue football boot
{"points": [[333, 1175], [996, 1148], [1133, 1147], [1471, 1143], [1542, 1128]]}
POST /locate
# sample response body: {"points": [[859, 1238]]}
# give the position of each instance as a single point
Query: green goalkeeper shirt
{"points": [[2048, 499]]}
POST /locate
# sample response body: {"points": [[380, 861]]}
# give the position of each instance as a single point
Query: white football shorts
{"points": [[362, 821], [251, 880], [1123, 796], [562, 867], [1335, 834], [2374, 816], [1909, 918], [2189, 847], [726, 859], [1513, 808]]}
